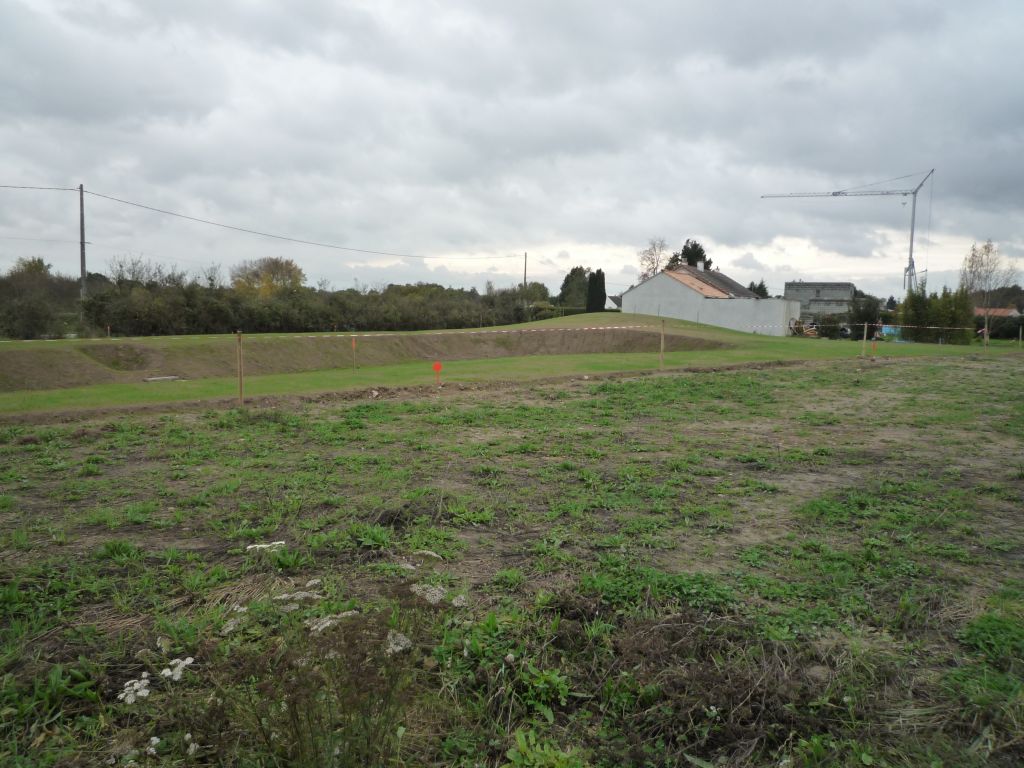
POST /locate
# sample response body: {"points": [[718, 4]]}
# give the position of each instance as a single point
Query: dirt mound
{"points": [[48, 368], [131, 360], [120, 357]]}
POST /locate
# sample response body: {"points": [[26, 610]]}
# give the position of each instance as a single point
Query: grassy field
{"points": [[815, 565], [99, 373]]}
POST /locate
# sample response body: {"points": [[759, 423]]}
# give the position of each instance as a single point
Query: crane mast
{"points": [[910, 273]]}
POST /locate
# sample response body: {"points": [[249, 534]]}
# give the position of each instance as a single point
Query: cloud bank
{"points": [[478, 131]]}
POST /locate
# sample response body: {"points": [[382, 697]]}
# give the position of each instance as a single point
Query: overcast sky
{"points": [[474, 131]]}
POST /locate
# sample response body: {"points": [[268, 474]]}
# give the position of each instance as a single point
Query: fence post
{"points": [[241, 375], [661, 355], [864, 342]]}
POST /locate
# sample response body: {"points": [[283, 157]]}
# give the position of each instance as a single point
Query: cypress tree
{"points": [[596, 291]]}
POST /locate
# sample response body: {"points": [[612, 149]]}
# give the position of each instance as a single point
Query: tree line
{"points": [[140, 298]]}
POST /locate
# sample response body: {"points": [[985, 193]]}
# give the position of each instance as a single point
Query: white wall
{"points": [[770, 317], [664, 296]]}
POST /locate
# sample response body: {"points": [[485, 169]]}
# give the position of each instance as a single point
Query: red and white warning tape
{"points": [[356, 334]]}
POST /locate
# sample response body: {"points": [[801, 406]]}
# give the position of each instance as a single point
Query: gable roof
{"points": [[712, 285]]}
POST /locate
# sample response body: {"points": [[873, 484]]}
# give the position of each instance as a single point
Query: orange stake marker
{"points": [[437, 373]]}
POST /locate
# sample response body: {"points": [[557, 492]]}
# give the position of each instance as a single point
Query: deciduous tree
{"points": [[267, 277], [652, 258], [984, 272], [574, 288]]}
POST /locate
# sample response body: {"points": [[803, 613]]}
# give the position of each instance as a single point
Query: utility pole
{"points": [[81, 232]]}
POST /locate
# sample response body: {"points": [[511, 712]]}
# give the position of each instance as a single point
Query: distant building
{"points": [[709, 297], [818, 300], [996, 312]]}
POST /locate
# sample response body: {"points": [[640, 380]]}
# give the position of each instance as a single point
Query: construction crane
{"points": [[910, 273]]}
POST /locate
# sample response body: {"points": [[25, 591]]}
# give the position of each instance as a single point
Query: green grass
{"points": [[743, 349], [804, 565]]}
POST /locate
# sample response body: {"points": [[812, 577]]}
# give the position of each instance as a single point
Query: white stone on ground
{"points": [[427, 553], [269, 545], [320, 623], [397, 643], [432, 593], [299, 596]]}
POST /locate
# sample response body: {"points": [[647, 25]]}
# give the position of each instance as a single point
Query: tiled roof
{"points": [[713, 285], [700, 286], [996, 312]]}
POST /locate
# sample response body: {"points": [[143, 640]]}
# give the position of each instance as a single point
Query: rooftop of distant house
{"points": [[996, 312], [710, 284], [802, 284]]}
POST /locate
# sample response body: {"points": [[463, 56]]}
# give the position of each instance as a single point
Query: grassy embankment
{"points": [[39, 376], [810, 566]]}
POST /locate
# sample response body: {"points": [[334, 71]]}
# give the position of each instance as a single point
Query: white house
{"points": [[705, 296]]}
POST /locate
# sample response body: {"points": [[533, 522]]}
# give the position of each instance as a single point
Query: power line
{"points": [[292, 239], [40, 239], [57, 189]]}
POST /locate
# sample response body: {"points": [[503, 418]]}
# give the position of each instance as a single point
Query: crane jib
{"points": [[910, 273]]}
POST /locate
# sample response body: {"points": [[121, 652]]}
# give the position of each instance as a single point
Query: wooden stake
{"points": [[353, 353], [864, 343], [661, 355], [241, 375]]}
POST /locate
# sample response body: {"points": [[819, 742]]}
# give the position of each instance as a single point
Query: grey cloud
{"points": [[748, 261], [87, 76], [494, 128]]}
